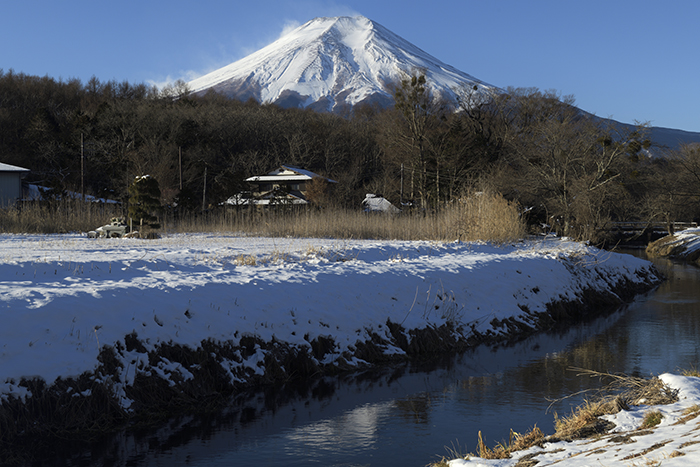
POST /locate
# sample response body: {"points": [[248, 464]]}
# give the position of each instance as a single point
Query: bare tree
{"points": [[414, 102], [568, 164]]}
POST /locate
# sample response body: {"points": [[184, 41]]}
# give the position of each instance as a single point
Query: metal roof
{"points": [[11, 168], [283, 174], [277, 178]]}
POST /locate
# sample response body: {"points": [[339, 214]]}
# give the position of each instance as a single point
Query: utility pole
{"points": [[204, 190], [401, 197], [180, 150], [437, 184], [82, 167]]}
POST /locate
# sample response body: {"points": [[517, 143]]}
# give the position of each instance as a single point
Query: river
{"points": [[410, 416]]}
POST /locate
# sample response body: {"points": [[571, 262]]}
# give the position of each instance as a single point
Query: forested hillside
{"points": [[563, 168]]}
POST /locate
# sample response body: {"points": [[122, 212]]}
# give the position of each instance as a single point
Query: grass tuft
{"points": [[691, 372], [581, 422], [618, 394], [651, 419], [516, 442], [246, 260]]}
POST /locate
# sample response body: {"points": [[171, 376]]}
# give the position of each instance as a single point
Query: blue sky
{"points": [[632, 60]]}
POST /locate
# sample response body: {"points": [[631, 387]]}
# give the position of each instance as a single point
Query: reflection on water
{"points": [[355, 430], [407, 415]]}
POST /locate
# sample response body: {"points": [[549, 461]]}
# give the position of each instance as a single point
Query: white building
{"points": [[11, 184], [374, 203]]}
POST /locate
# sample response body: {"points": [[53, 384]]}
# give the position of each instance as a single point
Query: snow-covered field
{"points": [[63, 297]]}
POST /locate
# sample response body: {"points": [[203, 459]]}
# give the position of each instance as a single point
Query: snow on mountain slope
{"points": [[331, 62]]}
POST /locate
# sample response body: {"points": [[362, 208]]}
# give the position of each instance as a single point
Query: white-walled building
{"points": [[11, 184]]}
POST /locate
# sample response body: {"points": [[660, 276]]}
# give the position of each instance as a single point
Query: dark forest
{"points": [[563, 168]]}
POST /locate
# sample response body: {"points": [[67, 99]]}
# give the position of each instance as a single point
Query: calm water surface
{"points": [[407, 416]]}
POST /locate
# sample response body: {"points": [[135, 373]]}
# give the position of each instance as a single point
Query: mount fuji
{"points": [[332, 64], [329, 64]]}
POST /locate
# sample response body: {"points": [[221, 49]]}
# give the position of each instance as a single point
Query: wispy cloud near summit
{"points": [[289, 26]]}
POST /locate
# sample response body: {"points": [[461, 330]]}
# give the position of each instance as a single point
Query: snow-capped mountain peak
{"points": [[330, 63]]}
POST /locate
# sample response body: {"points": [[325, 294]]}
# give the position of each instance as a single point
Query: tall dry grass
{"points": [[63, 216], [484, 216], [480, 216]]}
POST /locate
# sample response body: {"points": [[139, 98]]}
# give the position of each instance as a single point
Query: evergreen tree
{"points": [[144, 201]]}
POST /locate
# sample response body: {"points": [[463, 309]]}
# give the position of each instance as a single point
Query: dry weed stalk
{"points": [[689, 414], [634, 390], [246, 260], [503, 450], [618, 394], [517, 442]]}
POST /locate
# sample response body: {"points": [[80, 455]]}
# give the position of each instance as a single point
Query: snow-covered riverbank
{"points": [[684, 245], [63, 298], [674, 442]]}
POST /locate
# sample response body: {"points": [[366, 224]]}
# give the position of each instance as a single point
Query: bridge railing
{"points": [[655, 226]]}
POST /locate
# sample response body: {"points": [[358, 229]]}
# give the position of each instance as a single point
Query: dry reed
{"points": [[479, 216], [63, 216], [633, 390]]}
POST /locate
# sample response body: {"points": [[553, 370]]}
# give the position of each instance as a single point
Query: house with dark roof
{"points": [[286, 185], [11, 184]]}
